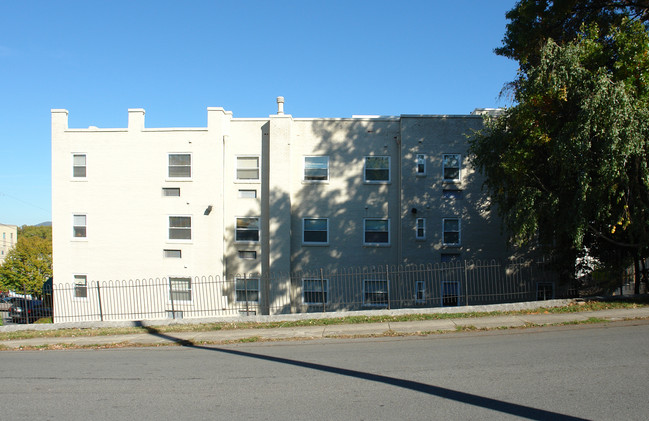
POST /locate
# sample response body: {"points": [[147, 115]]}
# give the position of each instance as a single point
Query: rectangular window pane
{"points": [[377, 231], [421, 229], [377, 168], [375, 293], [247, 254], [247, 194], [180, 289], [316, 168], [451, 166], [451, 234], [171, 191], [421, 164], [180, 165], [248, 168], [173, 254], [180, 228], [79, 226], [314, 291], [247, 229], [450, 293], [316, 230], [79, 166], [247, 290], [80, 286]]}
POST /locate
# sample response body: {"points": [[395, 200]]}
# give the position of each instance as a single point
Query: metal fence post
{"points": [[387, 278], [324, 297], [245, 288], [171, 296], [466, 285], [101, 311]]}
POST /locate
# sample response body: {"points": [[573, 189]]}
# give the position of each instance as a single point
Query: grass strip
{"points": [[206, 327]]}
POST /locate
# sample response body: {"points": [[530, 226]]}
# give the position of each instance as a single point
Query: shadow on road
{"points": [[454, 395]]}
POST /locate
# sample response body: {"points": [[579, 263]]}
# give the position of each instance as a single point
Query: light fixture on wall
{"points": [[208, 210]]}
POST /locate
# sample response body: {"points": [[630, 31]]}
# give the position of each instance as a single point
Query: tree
{"points": [[29, 264], [567, 166]]}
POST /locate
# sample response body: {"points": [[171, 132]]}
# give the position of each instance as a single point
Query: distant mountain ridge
{"points": [[44, 224]]}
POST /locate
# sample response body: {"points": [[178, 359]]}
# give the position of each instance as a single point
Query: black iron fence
{"points": [[382, 287]]}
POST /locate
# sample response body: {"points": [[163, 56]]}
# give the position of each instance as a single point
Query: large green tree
{"points": [[567, 165], [29, 264]]}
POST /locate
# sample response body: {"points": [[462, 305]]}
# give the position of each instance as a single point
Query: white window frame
{"points": [[420, 231], [169, 166], [459, 231], [166, 190], [459, 168], [178, 228], [420, 164], [80, 284], [366, 169], [75, 166], [304, 169], [251, 192], [237, 229], [304, 231], [168, 253], [246, 292], [376, 244], [185, 291], [236, 169], [420, 292], [84, 226], [443, 295], [317, 292], [369, 303], [242, 254]]}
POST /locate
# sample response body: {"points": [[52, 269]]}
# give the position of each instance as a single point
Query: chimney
{"points": [[280, 105]]}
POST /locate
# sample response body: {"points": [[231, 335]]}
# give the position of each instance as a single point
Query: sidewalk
{"points": [[154, 337]]}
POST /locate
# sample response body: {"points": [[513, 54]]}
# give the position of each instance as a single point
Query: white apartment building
{"points": [[8, 239], [265, 195]]}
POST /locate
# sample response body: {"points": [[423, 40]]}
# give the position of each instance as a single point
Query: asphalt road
{"points": [[594, 372]]}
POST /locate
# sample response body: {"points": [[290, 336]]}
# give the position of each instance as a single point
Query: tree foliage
{"points": [[567, 165], [29, 264]]}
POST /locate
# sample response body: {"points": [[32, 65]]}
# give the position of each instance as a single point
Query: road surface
{"points": [[594, 372]]}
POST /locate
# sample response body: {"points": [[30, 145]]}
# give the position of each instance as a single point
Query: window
{"points": [[421, 165], [421, 229], [247, 229], [450, 257], [80, 286], [173, 254], [376, 232], [451, 233], [180, 227], [420, 291], [314, 291], [316, 168], [180, 165], [180, 289], [315, 231], [377, 169], [450, 293], [247, 254], [247, 194], [79, 165], [544, 291], [247, 290], [375, 293], [451, 165], [171, 191], [79, 226], [248, 168], [452, 194]]}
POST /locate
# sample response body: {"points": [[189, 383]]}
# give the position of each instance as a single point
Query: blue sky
{"points": [[176, 58]]}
